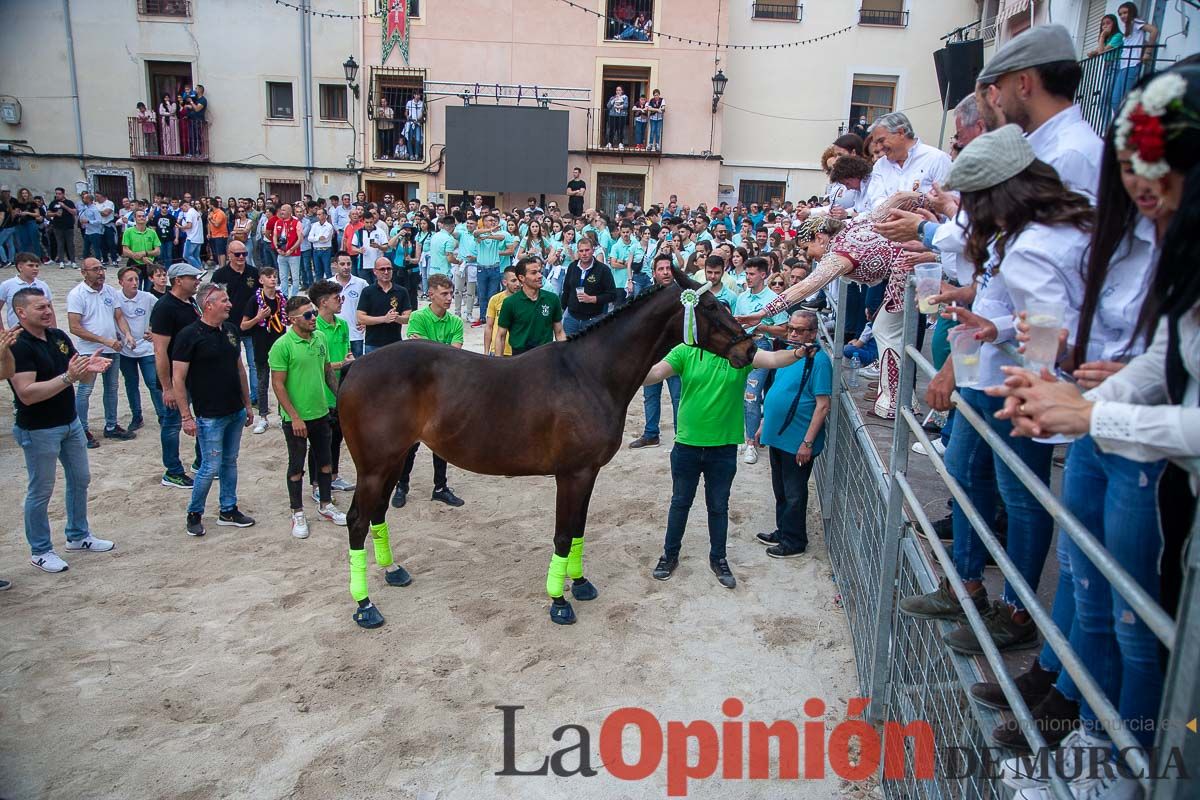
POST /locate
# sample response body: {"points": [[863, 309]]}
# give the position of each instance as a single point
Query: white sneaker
{"points": [[316, 494], [339, 485], [751, 456], [299, 525], [938, 447], [49, 562], [261, 425], [1026, 773], [330, 512], [1103, 786], [90, 542], [871, 371]]}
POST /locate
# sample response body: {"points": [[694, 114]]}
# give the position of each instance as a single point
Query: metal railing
{"points": [[1108, 77], [176, 139], [790, 12], [880, 553], [877, 16], [392, 145], [165, 8], [619, 135]]}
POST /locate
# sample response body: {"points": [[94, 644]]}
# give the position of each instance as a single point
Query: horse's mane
{"points": [[625, 309]]}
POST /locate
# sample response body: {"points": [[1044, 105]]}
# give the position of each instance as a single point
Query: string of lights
{"points": [[668, 36]]}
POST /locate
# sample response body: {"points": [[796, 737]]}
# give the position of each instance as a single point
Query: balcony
{"points": [[784, 12], [617, 137], [177, 140], [1099, 96], [887, 18], [165, 8], [394, 145], [629, 21]]}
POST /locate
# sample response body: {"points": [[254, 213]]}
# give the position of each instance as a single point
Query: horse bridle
{"points": [[734, 341]]}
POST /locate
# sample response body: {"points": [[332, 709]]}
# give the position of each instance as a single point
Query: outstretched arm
{"points": [[659, 373], [828, 268]]}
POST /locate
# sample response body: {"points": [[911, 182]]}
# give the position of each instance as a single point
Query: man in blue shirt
{"points": [[623, 255], [753, 300], [490, 240], [793, 428]]}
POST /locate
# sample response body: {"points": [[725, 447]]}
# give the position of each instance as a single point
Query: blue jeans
{"points": [[652, 402], [93, 245], [867, 354], [289, 272], [656, 133], [130, 367], [415, 142], [83, 394], [641, 282], [971, 461], [753, 398], [356, 347], [487, 283], [264, 255], [1117, 501], [169, 424], [1123, 83], [43, 450], [219, 439], [191, 254], [639, 132], [572, 326], [718, 465], [306, 268], [29, 238], [322, 260], [166, 253], [7, 249]]}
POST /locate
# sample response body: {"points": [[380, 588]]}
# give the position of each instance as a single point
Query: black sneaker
{"points": [[444, 495], [136, 424], [400, 497], [664, 568], [767, 538], [944, 528], [644, 441], [779, 551], [1006, 632], [235, 518], [119, 433], [720, 568], [1033, 685], [195, 527], [1055, 716], [177, 481], [92, 444]]}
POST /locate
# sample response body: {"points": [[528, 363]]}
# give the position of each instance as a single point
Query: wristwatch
{"points": [[806, 444], [66, 379], [921, 229]]}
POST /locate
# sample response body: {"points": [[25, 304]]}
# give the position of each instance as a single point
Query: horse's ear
{"points": [[683, 280]]}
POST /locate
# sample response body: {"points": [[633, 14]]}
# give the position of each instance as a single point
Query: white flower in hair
{"points": [[1152, 171], [1124, 125], [1161, 92]]}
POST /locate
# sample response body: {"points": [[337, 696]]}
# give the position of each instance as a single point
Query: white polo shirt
{"points": [[13, 285], [137, 313], [97, 310], [351, 293]]}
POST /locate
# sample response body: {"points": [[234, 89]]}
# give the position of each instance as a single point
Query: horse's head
{"points": [[716, 329]]}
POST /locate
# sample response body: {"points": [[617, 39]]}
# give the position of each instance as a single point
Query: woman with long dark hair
{"points": [[1109, 45]]}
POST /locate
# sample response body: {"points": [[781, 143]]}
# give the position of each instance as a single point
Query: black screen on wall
{"points": [[506, 149]]}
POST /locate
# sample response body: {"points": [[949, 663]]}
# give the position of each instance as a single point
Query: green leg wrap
{"points": [[358, 575], [575, 559], [556, 575], [383, 548]]}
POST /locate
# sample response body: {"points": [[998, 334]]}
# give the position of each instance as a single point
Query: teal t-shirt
{"points": [[487, 251], [751, 303], [509, 241], [779, 399], [619, 251], [441, 245], [711, 408]]}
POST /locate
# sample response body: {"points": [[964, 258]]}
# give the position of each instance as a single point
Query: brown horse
{"points": [[450, 400]]}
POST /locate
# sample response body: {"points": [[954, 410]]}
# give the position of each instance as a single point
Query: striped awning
{"points": [[1011, 8]]}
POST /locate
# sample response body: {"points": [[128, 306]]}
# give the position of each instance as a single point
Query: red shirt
{"points": [[285, 234], [348, 236]]}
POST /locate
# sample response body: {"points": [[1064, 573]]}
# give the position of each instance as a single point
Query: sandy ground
{"points": [[228, 666]]}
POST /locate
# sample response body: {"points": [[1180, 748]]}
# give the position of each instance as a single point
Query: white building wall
{"points": [[233, 48], [782, 107], [1179, 31]]}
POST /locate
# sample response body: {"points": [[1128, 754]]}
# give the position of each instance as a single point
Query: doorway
{"points": [[401, 190], [618, 188], [166, 77], [634, 80]]}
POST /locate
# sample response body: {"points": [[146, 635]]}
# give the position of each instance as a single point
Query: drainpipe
{"points": [[306, 77], [74, 83]]}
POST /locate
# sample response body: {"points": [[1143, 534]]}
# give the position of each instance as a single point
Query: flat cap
{"points": [[1044, 44], [183, 270], [989, 160]]}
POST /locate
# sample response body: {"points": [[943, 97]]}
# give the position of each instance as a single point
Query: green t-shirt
{"points": [[304, 361], [337, 339], [530, 322], [424, 324], [711, 409], [140, 241]]}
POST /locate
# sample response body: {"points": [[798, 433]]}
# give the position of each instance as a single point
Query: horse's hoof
{"points": [[584, 591], [397, 577], [562, 614], [368, 617]]}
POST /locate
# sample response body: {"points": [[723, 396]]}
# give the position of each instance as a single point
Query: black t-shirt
{"points": [[266, 332], [67, 220], [575, 202], [28, 207], [213, 379], [241, 286], [170, 316], [46, 359], [375, 302], [164, 226]]}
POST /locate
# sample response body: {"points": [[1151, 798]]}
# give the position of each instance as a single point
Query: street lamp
{"points": [[351, 68], [718, 81]]}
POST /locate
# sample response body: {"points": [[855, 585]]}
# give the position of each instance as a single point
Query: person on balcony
{"points": [[385, 124], [414, 121], [181, 104], [658, 107], [618, 114], [1137, 51], [197, 109], [149, 131]]}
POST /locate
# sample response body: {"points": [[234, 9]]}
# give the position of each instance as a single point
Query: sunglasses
{"points": [[794, 329], [237, 255], [383, 269], [307, 315]]}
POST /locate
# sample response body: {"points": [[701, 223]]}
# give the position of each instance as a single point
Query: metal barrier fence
{"points": [[881, 553]]}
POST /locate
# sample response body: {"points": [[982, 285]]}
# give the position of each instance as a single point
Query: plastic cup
{"points": [[929, 284], [964, 350], [1045, 321]]}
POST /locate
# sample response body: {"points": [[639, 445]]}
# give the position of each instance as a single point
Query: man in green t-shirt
{"points": [[140, 244], [327, 298], [532, 316], [300, 373], [434, 323], [707, 435]]}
